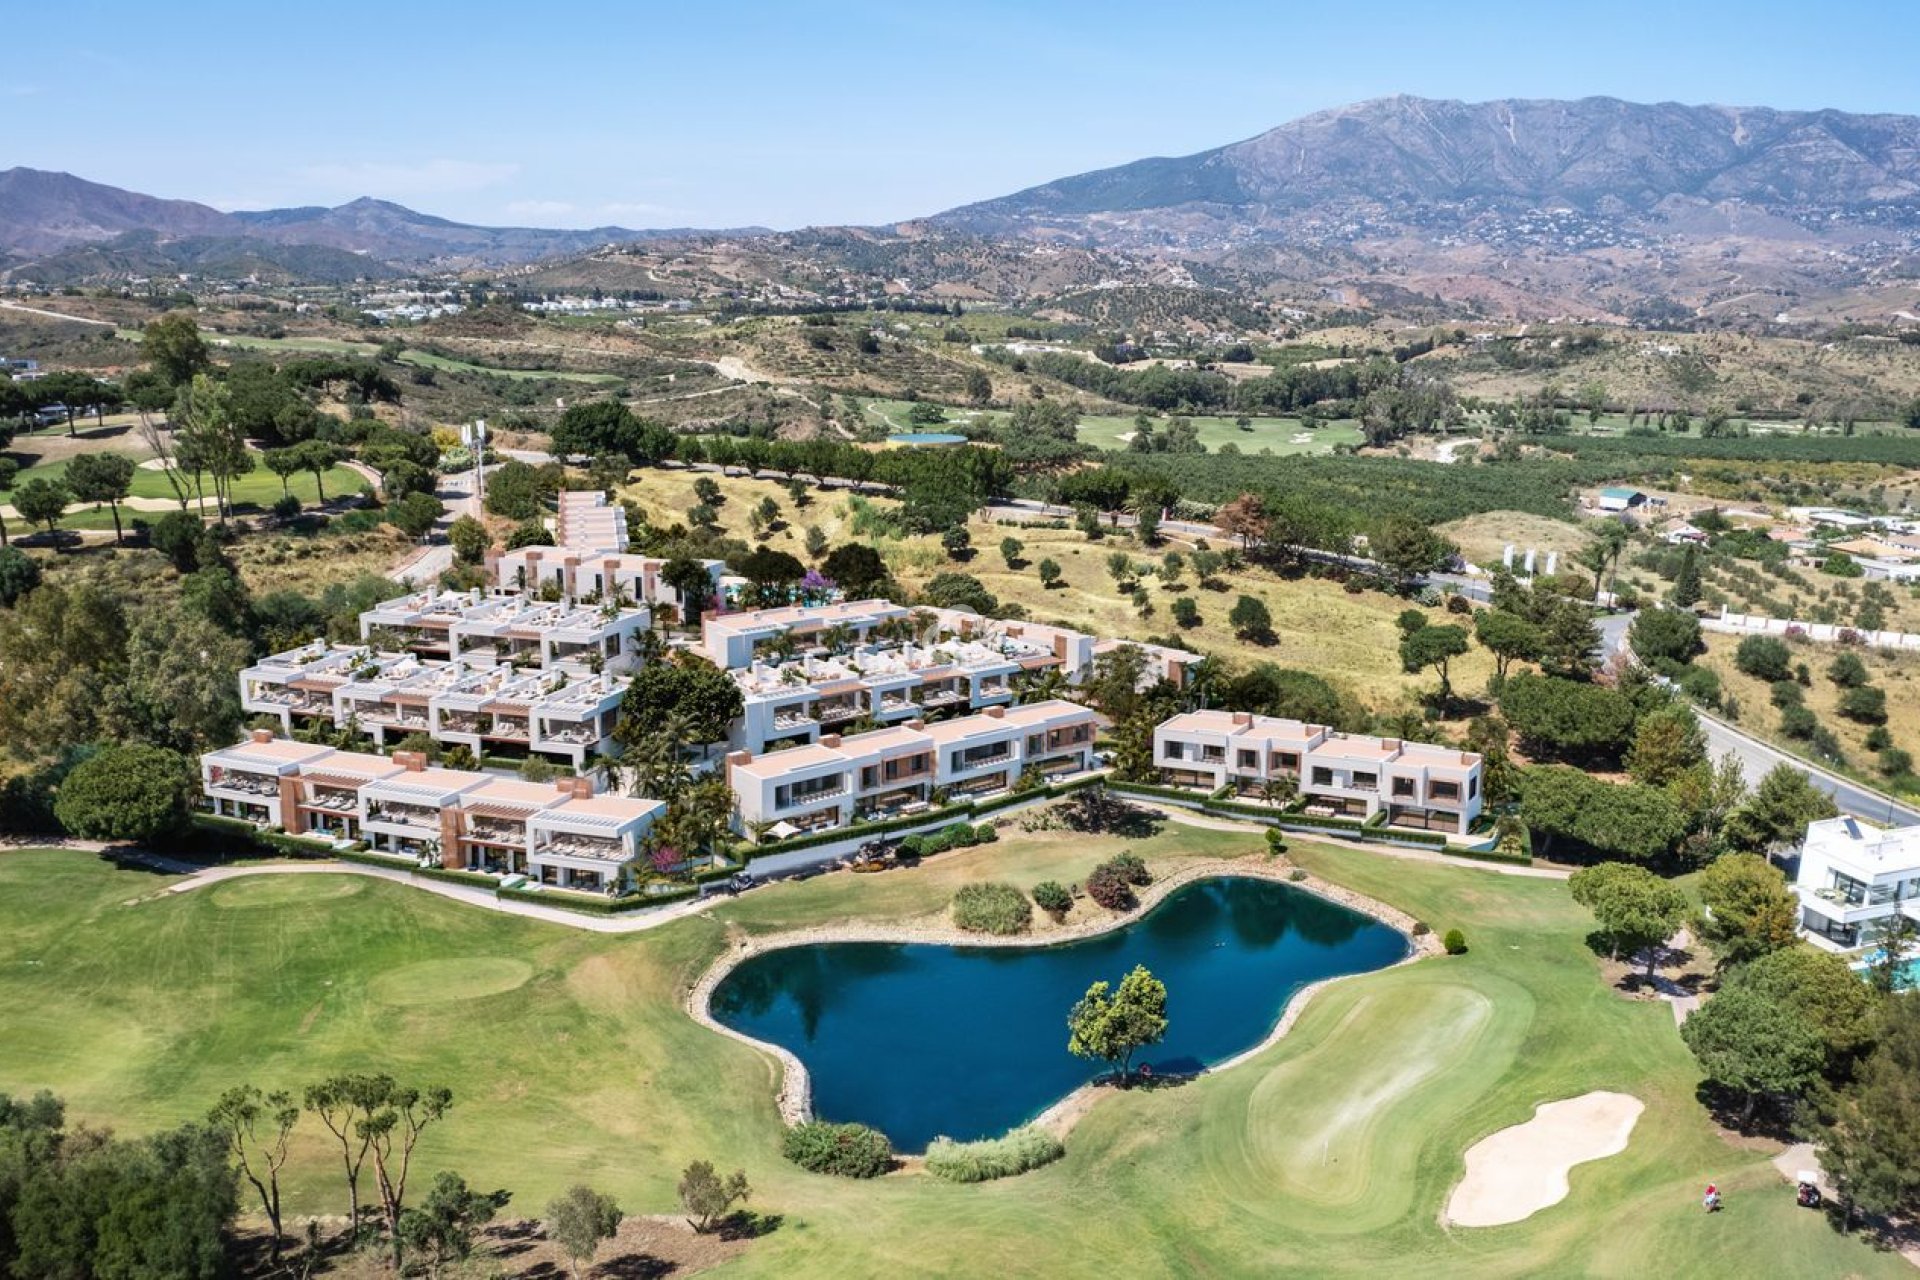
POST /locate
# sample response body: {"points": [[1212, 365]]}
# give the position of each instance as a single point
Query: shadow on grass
{"points": [[1728, 1108], [745, 1224]]}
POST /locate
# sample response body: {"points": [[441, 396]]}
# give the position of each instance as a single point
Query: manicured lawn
{"points": [[1281, 435], [258, 490], [1331, 1153]]}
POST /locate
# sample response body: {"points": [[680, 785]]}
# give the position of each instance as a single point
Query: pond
{"points": [[926, 438], [919, 1040]]}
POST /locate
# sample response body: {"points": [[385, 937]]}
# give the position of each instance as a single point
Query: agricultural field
{"points": [[1350, 639], [1896, 673], [1484, 538], [1331, 1151], [1282, 436]]}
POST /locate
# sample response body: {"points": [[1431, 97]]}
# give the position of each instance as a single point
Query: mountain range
{"points": [[1592, 207]]}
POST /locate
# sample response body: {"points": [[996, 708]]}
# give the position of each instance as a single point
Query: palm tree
{"points": [[1042, 685], [837, 638], [1280, 790]]}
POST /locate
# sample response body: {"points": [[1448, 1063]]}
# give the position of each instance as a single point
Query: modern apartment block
{"points": [[735, 640], [1854, 879], [560, 834], [1355, 775], [508, 627], [561, 713], [896, 770]]}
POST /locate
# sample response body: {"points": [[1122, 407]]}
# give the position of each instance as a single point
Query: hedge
{"points": [[452, 876], [392, 862], [1490, 855], [1023, 1149], [277, 842]]}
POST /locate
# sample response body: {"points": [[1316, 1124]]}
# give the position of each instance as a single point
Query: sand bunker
{"points": [[1517, 1172]]}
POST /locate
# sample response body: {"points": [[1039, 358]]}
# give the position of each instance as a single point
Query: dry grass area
{"points": [[310, 564], [1482, 538], [1350, 639], [645, 1246], [1898, 674]]}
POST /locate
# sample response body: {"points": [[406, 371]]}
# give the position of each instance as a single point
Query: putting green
{"points": [[440, 981]]}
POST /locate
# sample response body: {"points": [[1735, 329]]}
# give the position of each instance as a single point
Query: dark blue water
{"points": [[920, 1040]]}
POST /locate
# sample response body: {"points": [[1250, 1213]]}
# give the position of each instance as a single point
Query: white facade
{"points": [[1854, 878], [896, 770], [1357, 775]]}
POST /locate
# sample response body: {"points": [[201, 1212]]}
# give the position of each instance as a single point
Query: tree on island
{"points": [[1112, 1024]]}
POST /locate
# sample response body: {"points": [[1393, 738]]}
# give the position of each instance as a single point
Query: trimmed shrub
{"points": [[1421, 928], [1131, 868], [844, 1150], [990, 1158], [1051, 895], [1864, 703], [1763, 658], [1297, 874], [1276, 843], [992, 907], [1455, 942], [1110, 889], [1798, 722], [985, 833]]}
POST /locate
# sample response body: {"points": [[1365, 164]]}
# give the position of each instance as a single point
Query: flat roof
{"points": [[618, 810], [514, 791], [277, 752], [776, 763]]}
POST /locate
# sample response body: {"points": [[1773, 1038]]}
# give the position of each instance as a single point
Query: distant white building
{"points": [[1854, 878]]}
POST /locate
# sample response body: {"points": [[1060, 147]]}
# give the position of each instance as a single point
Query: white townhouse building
{"points": [[1854, 878], [508, 627], [732, 640], [1356, 775], [897, 769], [559, 833]]}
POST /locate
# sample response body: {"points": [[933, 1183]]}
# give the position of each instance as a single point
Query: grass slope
{"points": [[1330, 1153]]}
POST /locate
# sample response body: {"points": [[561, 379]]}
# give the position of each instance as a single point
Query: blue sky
{"points": [[648, 114]]}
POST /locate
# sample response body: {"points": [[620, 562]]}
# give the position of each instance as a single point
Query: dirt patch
{"points": [[646, 1246], [1517, 1172]]}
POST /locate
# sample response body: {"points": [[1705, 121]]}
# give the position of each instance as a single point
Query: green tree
{"points": [[1824, 990], [470, 540], [257, 1127], [1866, 704], [285, 463], [1764, 658], [42, 501], [1665, 742], [580, 1221], [319, 457], [1665, 637], [1686, 589], [392, 1129], [445, 1226], [1847, 671], [102, 477], [1049, 573], [816, 542], [1251, 620], [1120, 568], [416, 514], [1870, 1136], [956, 542], [858, 569], [1509, 637], [19, 574], [979, 386], [706, 1196], [130, 792], [1111, 1025], [1407, 549], [173, 346], [1434, 647], [1566, 716], [1753, 1046], [1778, 811], [179, 690], [1749, 909], [705, 696], [207, 441], [345, 1104], [1637, 910], [1186, 613], [1010, 549]]}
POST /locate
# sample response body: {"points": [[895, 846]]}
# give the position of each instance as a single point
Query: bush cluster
{"points": [[992, 907], [1455, 942], [957, 836], [1111, 884], [990, 1158], [844, 1150], [1051, 895]]}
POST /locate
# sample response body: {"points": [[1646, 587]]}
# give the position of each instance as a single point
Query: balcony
{"points": [[941, 697], [966, 764], [838, 713], [896, 702], [574, 735], [508, 731], [511, 833], [788, 719], [571, 846], [460, 724], [798, 800], [334, 801], [400, 815], [247, 784]]}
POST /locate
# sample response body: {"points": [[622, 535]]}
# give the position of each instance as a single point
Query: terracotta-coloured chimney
{"points": [[262, 735], [916, 725], [1243, 719], [829, 739], [998, 713], [411, 761]]}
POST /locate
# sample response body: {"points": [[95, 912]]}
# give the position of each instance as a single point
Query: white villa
{"points": [[1341, 774], [559, 834], [1854, 878], [895, 770]]}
